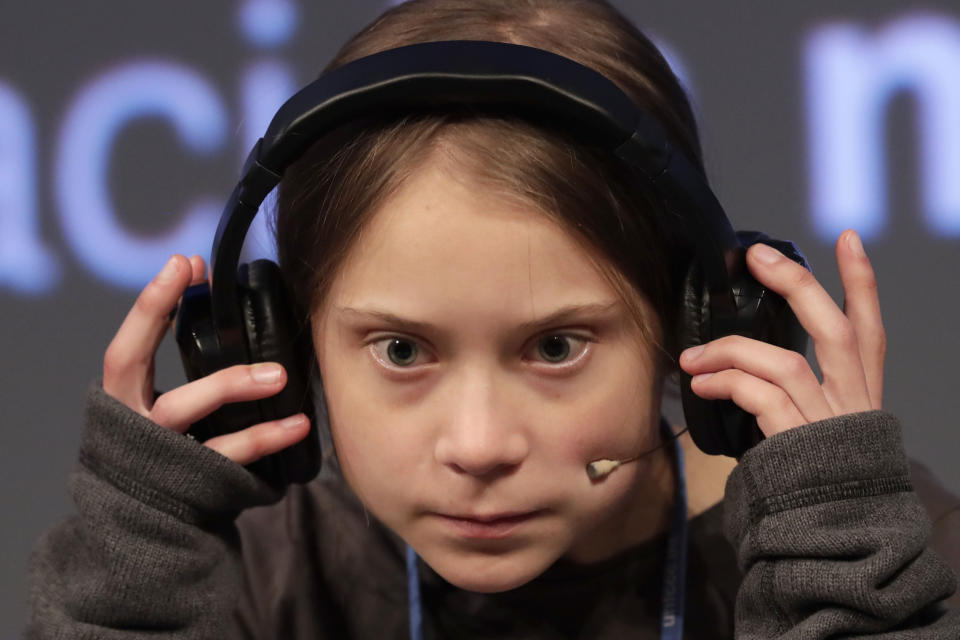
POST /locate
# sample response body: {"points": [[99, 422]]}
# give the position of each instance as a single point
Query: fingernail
{"points": [[766, 254], [293, 421], [853, 241], [266, 373], [701, 377], [169, 272], [692, 353]]}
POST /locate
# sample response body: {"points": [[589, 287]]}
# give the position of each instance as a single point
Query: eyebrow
{"points": [[561, 315]]}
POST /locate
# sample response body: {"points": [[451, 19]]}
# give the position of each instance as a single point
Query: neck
{"points": [[706, 476]]}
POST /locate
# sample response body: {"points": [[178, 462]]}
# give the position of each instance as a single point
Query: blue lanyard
{"points": [[413, 588], [674, 573]]}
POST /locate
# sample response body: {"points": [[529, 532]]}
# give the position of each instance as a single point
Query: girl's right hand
{"points": [[128, 374]]}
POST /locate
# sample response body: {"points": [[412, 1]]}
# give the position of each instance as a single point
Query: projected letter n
{"points": [[26, 263], [851, 77]]}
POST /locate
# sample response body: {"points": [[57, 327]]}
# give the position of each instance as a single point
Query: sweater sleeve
{"points": [[152, 550], [831, 539]]}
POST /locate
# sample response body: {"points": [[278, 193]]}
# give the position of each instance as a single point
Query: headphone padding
{"points": [[273, 335], [694, 329]]}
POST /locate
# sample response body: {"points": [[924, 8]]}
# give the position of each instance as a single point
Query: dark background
{"points": [[744, 62]]}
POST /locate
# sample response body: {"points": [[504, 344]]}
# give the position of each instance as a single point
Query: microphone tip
{"points": [[600, 468]]}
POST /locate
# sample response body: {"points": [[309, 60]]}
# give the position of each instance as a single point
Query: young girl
{"points": [[493, 307]]}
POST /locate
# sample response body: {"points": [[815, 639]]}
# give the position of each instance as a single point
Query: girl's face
{"points": [[474, 362]]}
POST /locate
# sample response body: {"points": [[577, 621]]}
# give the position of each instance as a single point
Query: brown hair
{"points": [[328, 195]]}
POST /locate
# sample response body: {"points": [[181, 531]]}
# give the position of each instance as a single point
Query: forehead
{"points": [[443, 243]]}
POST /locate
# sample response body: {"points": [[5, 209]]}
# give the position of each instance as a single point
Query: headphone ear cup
{"points": [[201, 355], [764, 314], [702, 416], [720, 426], [274, 335]]}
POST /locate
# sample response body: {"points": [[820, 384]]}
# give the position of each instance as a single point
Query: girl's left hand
{"points": [[777, 385]]}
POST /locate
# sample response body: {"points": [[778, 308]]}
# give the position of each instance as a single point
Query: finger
{"points": [[253, 443], [128, 360], [834, 338], [862, 306], [179, 408], [782, 367], [773, 408], [198, 275], [199, 269]]}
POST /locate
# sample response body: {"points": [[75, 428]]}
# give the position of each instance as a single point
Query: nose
{"points": [[481, 435]]}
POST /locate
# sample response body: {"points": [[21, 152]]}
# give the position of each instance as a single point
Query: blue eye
{"points": [[555, 349], [402, 352], [562, 350]]}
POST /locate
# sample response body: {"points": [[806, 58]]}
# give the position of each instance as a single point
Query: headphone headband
{"points": [[515, 78]]}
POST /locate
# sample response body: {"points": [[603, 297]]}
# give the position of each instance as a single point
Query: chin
{"points": [[488, 571]]}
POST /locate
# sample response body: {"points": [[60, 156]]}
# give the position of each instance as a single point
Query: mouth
{"points": [[486, 526]]}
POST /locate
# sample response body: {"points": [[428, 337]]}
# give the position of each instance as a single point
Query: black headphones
{"points": [[245, 316]]}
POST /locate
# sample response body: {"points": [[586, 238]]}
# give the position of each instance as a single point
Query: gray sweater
{"points": [[824, 538]]}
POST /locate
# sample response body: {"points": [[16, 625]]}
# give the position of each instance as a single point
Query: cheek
{"points": [[615, 418], [368, 446], [366, 439], [384, 453], [372, 445]]}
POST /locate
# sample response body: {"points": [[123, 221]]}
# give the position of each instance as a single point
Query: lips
{"points": [[487, 526]]}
